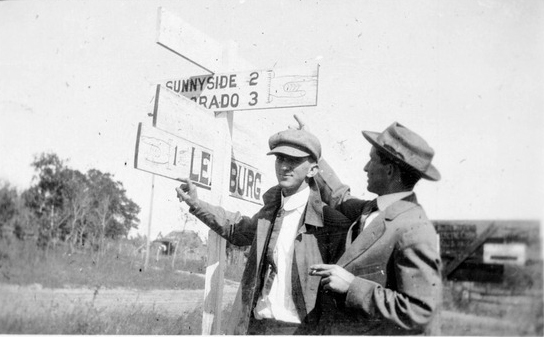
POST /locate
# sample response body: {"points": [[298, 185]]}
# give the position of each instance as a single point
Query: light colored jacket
{"points": [[398, 287]]}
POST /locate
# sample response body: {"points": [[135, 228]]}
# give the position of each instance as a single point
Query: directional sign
{"points": [[162, 153], [181, 116], [259, 89], [193, 45], [188, 42], [245, 182]]}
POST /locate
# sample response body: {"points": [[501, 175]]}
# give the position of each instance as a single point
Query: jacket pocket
{"points": [[373, 272]]}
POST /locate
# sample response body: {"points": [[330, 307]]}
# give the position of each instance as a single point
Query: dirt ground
{"points": [[33, 300]]}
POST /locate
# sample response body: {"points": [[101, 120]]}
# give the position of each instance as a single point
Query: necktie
{"points": [[368, 209], [271, 273]]}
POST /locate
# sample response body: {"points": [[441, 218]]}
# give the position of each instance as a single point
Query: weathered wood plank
{"points": [[188, 42], [170, 156], [473, 246]]}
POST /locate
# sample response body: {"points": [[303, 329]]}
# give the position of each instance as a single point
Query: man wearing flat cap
{"points": [[388, 280], [293, 230]]}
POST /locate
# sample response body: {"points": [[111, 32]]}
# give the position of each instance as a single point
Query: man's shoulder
{"points": [[333, 217], [412, 221], [405, 208]]}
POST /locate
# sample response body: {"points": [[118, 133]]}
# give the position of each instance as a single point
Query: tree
{"points": [[74, 207], [76, 204], [8, 203], [113, 212], [45, 198]]}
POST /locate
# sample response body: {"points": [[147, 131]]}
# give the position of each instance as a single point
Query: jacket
{"points": [[320, 239], [396, 261]]}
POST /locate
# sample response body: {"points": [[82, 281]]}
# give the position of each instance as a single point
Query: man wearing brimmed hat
{"points": [[388, 280], [293, 230]]}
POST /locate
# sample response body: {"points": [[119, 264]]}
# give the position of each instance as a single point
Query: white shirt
{"points": [[278, 303], [385, 201]]}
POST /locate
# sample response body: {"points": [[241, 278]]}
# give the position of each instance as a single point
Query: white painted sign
{"points": [[245, 182], [259, 89], [188, 42], [505, 253], [164, 154], [181, 116]]}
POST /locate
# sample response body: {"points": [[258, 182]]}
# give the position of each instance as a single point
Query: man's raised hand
{"points": [[187, 192], [301, 124]]}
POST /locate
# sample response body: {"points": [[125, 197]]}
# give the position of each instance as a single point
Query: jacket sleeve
{"points": [[232, 226], [336, 194], [416, 266]]}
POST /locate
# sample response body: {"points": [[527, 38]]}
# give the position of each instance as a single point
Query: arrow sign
{"points": [[259, 89], [180, 116], [162, 153], [187, 41]]}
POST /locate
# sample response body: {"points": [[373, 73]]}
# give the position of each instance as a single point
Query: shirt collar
{"points": [[387, 200], [296, 200]]}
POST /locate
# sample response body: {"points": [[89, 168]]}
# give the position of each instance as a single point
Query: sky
{"points": [[77, 77]]}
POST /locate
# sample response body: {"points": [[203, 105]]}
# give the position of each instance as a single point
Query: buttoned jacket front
{"points": [[320, 239]]}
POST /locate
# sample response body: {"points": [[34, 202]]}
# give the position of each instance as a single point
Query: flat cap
{"points": [[295, 143]]}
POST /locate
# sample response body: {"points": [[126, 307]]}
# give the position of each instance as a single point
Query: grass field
{"points": [[28, 269], [55, 292], [88, 320]]}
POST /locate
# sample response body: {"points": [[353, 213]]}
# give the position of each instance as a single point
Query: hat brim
{"points": [[430, 174], [289, 151]]}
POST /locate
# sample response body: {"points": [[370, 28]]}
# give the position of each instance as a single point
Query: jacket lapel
{"points": [[272, 200], [375, 230], [364, 241], [306, 252]]}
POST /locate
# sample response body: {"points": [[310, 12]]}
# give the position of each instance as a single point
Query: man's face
{"points": [[291, 172], [378, 179]]}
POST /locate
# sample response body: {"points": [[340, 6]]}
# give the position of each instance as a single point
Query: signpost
{"points": [[180, 143]]}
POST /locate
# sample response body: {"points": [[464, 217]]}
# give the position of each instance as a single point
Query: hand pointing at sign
{"points": [[334, 277], [187, 192], [301, 124]]}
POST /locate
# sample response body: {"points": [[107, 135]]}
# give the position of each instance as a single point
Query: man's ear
{"points": [[391, 169], [313, 170]]}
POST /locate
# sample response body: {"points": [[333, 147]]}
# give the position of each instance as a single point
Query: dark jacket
{"points": [[320, 239]]}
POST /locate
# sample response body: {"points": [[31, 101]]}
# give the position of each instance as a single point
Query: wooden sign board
{"points": [[245, 182], [164, 154], [181, 116], [259, 89], [188, 42], [455, 238]]}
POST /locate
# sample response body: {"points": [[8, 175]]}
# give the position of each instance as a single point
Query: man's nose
{"points": [[366, 167], [286, 166]]}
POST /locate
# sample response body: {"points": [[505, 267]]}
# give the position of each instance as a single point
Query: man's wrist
{"points": [[193, 205]]}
